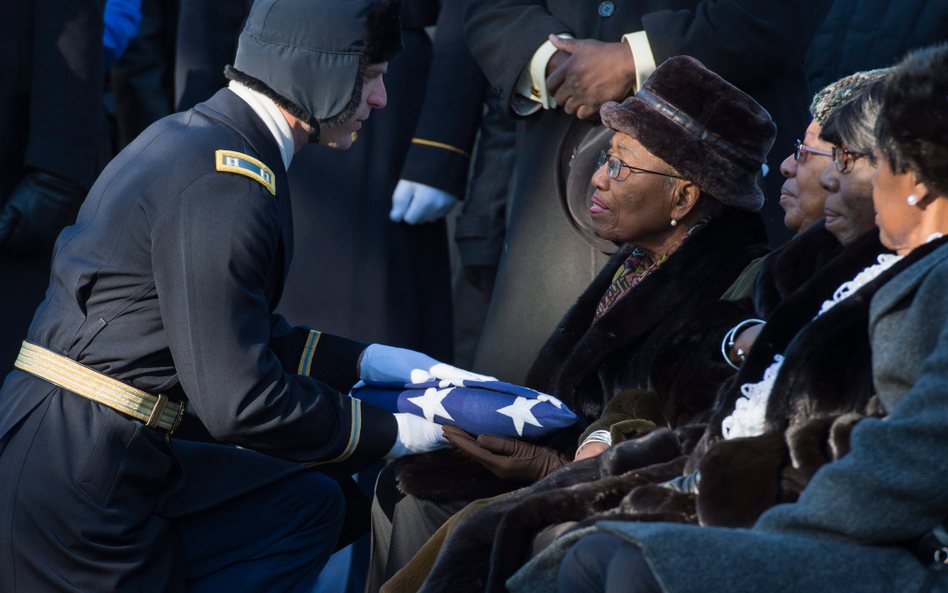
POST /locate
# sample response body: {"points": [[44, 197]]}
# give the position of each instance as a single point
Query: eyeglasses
{"points": [[845, 159], [800, 149], [616, 165]]}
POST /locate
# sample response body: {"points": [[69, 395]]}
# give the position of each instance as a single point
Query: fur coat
{"points": [[586, 364], [819, 393], [855, 526]]}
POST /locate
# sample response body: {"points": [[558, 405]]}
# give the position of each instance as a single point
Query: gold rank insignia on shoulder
{"points": [[242, 164]]}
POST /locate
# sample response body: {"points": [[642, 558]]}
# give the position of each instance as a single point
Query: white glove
{"points": [[400, 365], [416, 203], [416, 435]]}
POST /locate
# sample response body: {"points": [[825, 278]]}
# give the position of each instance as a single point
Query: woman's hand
{"points": [[508, 459], [590, 450], [743, 343]]}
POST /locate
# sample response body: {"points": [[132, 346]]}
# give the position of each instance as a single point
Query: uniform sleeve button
{"points": [[606, 9]]}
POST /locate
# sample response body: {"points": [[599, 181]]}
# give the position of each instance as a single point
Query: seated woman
{"points": [[795, 395], [637, 496], [872, 521], [678, 188], [802, 197]]}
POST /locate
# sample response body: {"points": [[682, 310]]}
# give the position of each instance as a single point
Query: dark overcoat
{"points": [[51, 118], [757, 46], [168, 282]]}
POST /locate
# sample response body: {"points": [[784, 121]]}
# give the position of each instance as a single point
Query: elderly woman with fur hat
{"points": [[874, 520], [678, 190]]}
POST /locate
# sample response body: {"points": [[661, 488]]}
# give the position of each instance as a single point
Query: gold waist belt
{"points": [[155, 411]]}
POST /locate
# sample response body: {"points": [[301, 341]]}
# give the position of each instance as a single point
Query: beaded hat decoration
{"points": [[834, 95]]}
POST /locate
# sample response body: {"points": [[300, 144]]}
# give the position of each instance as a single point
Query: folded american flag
{"points": [[478, 407]]}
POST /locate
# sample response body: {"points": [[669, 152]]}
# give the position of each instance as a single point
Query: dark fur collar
{"points": [[790, 266], [700, 271], [793, 313], [828, 365]]}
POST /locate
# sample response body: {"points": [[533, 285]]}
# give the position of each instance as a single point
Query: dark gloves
{"points": [[38, 208], [508, 459], [483, 278]]}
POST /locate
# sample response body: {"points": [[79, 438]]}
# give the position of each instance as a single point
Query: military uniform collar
{"points": [[272, 117], [226, 107]]}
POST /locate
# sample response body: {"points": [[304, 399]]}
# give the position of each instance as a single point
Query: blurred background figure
{"points": [[480, 228], [53, 142], [141, 83], [867, 34]]}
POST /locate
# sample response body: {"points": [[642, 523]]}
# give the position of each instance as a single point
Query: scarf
{"points": [[634, 269]]}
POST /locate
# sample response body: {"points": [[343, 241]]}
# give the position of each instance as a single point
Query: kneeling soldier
{"points": [[162, 293]]}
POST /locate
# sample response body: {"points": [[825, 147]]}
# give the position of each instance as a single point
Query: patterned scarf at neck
{"points": [[634, 269]]}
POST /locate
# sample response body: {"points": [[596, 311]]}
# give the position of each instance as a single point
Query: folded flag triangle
{"points": [[478, 407]]}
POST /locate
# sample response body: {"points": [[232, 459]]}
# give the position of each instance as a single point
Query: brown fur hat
{"points": [[708, 130]]}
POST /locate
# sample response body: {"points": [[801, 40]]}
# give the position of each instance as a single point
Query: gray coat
{"points": [[843, 533]]}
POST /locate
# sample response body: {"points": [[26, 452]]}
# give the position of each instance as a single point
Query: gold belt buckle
{"points": [[177, 419], [157, 411]]}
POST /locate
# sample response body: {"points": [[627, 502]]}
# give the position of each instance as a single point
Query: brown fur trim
{"points": [[577, 503], [447, 475], [689, 436], [740, 479], [654, 498], [464, 562], [657, 446], [520, 523], [840, 432], [809, 446]]}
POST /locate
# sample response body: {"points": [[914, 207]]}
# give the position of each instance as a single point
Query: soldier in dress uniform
{"points": [[162, 294]]}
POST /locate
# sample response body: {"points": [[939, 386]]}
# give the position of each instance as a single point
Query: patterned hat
{"points": [[841, 91]]}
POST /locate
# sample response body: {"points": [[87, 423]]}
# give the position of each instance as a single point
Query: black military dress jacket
{"points": [[167, 282]]}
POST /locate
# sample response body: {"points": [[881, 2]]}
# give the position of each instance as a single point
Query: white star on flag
{"points": [[549, 399], [430, 403], [520, 412]]}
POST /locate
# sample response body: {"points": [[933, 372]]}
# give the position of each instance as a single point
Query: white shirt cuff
{"points": [[641, 56], [532, 83]]}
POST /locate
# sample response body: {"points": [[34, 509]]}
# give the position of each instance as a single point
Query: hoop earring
{"points": [[674, 222], [912, 200]]}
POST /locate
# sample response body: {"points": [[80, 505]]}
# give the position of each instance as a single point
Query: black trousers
{"points": [[604, 563], [91, 500]]}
